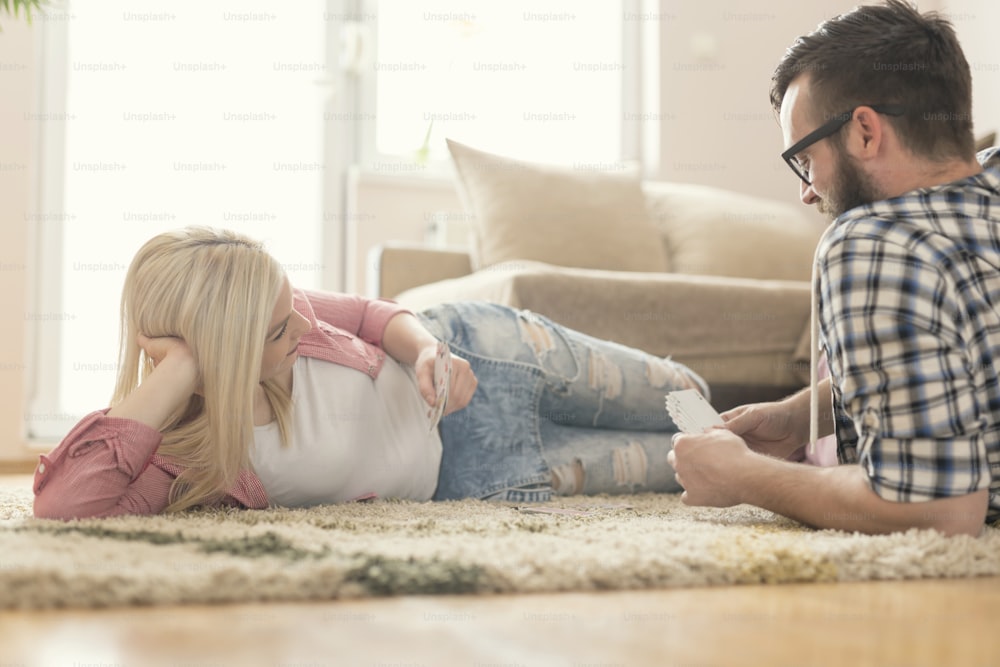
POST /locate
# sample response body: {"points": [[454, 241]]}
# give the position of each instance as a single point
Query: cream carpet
{"points": [[398, 548]]}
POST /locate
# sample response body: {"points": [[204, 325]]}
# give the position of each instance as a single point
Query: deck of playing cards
{"points": [[442, 381], [691, 412]]}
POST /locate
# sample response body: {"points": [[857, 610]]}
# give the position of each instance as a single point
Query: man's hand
{"points": [[778, 429], [768, 428], [708, 465]]}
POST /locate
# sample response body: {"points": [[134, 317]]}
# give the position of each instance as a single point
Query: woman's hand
{"points": [[461, 386], [159, 348], [169, 386], [407, 341], [175, 351]]}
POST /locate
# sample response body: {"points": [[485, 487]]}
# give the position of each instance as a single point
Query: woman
{"points": [[235, 389]]}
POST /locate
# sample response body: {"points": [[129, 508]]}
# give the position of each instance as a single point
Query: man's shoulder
{"points": [[935, 218], [989, 158], [872, 226]]}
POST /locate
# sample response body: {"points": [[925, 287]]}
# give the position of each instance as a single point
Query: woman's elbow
{"points": [[51, 504]]}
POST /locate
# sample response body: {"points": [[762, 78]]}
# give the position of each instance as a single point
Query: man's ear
{"points": [[866, 132]]}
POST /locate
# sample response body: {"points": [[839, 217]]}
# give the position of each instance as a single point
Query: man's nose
{"points": [[807, 194]]}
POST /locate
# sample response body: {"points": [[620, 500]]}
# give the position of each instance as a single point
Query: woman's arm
{"points": [[397, 331], [408, 342], [405, 339], [364, 318], [170, 385], [102, 467]]}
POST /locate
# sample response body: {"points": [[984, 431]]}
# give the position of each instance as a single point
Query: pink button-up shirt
{"points": [[107, 466]]}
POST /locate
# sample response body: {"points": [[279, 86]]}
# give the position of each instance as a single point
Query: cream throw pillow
{"points": [[562, 216], [712, 231]]}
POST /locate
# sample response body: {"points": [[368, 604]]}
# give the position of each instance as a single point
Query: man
{"points": [[875, 110]]}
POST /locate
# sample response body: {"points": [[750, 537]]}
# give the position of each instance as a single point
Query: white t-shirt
{"points": [[351, 436]]}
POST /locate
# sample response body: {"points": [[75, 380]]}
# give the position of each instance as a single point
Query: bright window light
{"points": [[186, 114], [539, 81]]}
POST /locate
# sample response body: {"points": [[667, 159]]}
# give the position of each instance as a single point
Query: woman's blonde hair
{"points": [[215, 289]]}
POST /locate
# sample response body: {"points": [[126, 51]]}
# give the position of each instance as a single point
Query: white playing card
{"points": [[691, 412], [442, 381]]}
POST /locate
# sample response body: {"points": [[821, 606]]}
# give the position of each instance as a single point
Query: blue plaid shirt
{"points": [[909, 314]]}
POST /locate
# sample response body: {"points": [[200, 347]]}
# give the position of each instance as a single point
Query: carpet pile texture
{"points": [[386, 548]]}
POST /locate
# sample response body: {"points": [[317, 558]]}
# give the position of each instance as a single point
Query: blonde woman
{"points": [[234, 389]]}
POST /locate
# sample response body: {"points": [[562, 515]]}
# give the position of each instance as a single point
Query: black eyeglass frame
{"points": [[827, 129]]}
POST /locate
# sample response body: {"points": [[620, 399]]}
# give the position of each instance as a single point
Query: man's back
{"points": [[911, 312]]}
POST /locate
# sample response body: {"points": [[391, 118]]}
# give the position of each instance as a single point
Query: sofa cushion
{"points": [[711, 231], [561, 216]]}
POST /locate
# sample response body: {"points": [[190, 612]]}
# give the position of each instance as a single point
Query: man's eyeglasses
{"points": [[825, 130]]}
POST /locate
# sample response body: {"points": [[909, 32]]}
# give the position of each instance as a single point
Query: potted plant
{"points": [[13, 7]]}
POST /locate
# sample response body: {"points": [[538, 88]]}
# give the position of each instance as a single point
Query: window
{"points": [[159, 118], [549, 81], [245, 114]]}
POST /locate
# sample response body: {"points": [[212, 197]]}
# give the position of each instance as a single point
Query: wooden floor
{"points": [[888, 624]]}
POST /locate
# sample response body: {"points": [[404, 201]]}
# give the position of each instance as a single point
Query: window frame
{"points": [[44, 420]]}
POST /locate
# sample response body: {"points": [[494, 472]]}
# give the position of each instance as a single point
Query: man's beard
{"points": [[851, 187]]}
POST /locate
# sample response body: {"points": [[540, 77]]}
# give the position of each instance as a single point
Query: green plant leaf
{"points": [[14, 7]]}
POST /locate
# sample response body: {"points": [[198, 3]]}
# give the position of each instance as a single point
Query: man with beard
{"points": [[875, 110]]}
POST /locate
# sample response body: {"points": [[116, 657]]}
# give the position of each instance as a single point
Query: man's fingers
{"points": [[739, 421]]}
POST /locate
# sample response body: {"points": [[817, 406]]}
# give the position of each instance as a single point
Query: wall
{"points": [[716, 65], [717, 57], [386, 207], [16, 164], [976, 23]]}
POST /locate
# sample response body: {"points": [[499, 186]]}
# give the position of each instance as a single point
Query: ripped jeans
{"points": [[556, 411]]}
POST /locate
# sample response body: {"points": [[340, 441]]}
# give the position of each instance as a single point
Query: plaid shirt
{"points": [[909, 314]]}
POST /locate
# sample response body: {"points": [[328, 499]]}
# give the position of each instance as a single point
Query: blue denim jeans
{"points": [[556, 411]]}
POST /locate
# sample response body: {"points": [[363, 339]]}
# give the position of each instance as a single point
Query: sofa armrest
{"points": [[395, 267]]}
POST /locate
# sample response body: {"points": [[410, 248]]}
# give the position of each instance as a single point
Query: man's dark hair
{"points": [[888, 54]]}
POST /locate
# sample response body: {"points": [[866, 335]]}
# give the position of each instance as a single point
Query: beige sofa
{"points": [[729, 297]]}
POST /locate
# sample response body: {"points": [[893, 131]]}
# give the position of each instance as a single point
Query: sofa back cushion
{"points": [[711, 231], [563, 216]]}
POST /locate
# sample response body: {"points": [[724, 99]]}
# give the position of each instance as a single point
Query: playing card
{"points": [[691, 412], [442, 381]]}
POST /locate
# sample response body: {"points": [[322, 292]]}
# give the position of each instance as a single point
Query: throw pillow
{"points": [[712, 231], [559, 215]]}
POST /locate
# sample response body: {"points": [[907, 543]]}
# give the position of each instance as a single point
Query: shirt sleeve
{"points": [[101, 468], [364, 318], [892, 323]]}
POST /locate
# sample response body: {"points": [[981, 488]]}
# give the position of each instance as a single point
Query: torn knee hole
{"points": [[631, 465], [567, 479], [535, 334], [664, 372], [605, 376]]}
